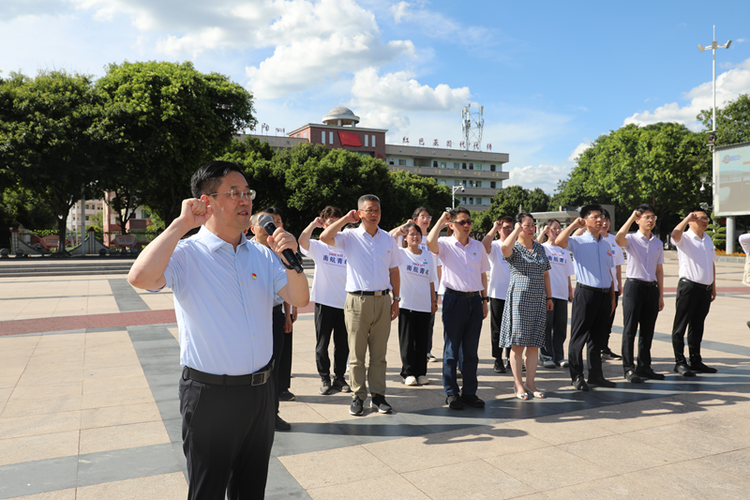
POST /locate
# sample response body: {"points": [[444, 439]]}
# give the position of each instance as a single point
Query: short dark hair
{"points": [[367, 197], [458, 210], [407, 226], [274, 211], [645, 207], [207, 178], [520, 217], [552, 221], [605, 213], [418, 211], [700, 210], [331, 211], [505, 218], [587, 209]]}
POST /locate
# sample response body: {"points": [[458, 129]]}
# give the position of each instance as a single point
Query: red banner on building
{"points": [[349, 139]]}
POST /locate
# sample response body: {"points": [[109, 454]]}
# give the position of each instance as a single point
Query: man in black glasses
{"points": [[695, 291], [223, 288], [465, 266]]}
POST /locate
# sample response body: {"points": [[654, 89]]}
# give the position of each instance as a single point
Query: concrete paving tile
{"points": [[734, 463], [293, 412], [110, 361], [492, 441], [686, 441], [124, 397], [476, 479], [102, 385], [161, 487], [41, 406], [113, 372], [20, 343], [67, 494], [548, 468], [119, 415], [560, 429], [417, 453], [43, 377], [351, 464], [630, 455], [33, 425], [38, 447], [175, 332], [123, 436], [397, 488], [12, 309], [9, 381], [45, 391]]}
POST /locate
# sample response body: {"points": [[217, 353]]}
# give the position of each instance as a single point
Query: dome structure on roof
{"points": [[340, 117]]}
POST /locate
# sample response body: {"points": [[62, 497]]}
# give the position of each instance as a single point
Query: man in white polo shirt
{"points": [[329, 295], [465, 266], [371, 273], [497, 288], [695, 291], [643, 295]]}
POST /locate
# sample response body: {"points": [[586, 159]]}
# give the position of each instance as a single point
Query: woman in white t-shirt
{"points": [[418, 276], [552, 353]]}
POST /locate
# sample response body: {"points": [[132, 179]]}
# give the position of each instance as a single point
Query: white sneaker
{"points": [[564, 363], [423, 380], [411, 380]]}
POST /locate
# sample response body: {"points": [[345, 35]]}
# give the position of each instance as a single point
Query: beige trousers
{"points": [[368, 323]]}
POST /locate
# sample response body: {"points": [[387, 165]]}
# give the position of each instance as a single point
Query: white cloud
{"points": [[542, 176], [579, 150], [729, 85], [400, 10]]}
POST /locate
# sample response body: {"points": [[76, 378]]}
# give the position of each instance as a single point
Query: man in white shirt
{"points": [[618, 259], [223, 291], [329, 295], [371, 273], [695, 291], [745, 244], [643, 296], [465, 266], [497, 288]]}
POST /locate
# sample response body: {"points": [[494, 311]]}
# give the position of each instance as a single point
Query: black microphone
{"points": [[266, 222]]}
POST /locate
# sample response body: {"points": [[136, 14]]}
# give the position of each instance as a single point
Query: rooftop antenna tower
{"points": [[472, 126]]}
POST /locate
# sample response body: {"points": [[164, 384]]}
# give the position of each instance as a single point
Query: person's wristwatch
{"points": [[485, 299], [396, 298]]}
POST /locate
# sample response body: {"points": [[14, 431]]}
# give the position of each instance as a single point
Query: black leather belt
{"points": [[641, 282], [697, 285], [369, 294], [462, 294], [593, 288], [258, 378]]}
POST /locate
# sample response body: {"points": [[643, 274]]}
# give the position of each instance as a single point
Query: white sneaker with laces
{"points": [[423, 380], [411, 380]]}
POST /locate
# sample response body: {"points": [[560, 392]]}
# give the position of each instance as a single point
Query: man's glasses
{"points": [[425, 217], [464, 222], [649, 217], [370, 211], [596, 217], [236, 194], [703, 219]]}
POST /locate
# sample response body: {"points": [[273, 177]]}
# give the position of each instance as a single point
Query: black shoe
{"points": [[499, 366], [357, 406], [378, 401], [682, 369], [340, 384], [281, 424], [649, 372], [325, 386], [472, 400], [631, 377], [601, 382], [454, 402], [699, 367], [580, 384], [286, 396], [608, 354]]}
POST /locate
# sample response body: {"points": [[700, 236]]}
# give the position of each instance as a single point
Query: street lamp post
{"points": [[453, 194], [730, 220]]}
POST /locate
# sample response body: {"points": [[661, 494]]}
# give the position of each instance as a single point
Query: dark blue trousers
{"points": [[462, 325]]}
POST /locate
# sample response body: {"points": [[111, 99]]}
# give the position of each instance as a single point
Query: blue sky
{"points": [[552, 76]]}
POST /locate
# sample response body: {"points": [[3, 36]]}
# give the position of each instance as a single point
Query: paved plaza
{"points": [[88, 410]]}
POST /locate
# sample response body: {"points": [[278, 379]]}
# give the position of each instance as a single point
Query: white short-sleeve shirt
{"points": [[416, 273], [561, 268], [696, 257], [369, 258], [329, 282], [497, 286]]}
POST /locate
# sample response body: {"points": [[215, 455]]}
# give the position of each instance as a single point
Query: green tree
{"points": [[659, 164], [732, 121], [163, 120], [507, 201], [47, 145]]}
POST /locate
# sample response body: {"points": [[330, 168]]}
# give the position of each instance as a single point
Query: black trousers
{"points": [[556, 332], [413, 330], [278, 348], [330, 320], [497, 306], [640, 307], [588, 327], [693, 304], [227, 435]]}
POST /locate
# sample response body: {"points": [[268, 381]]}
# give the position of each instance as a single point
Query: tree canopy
{"points": [[507, 201], [733, 121]]}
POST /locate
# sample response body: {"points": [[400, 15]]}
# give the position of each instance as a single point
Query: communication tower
{"points": [[472, 126]]}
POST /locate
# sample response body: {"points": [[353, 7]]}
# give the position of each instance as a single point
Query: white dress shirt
{"points": [[696, 257], [369, 258]]}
